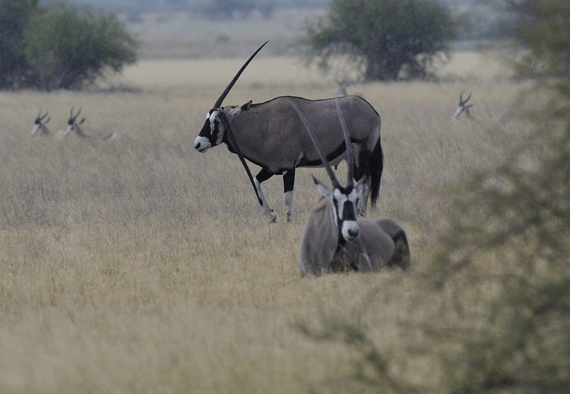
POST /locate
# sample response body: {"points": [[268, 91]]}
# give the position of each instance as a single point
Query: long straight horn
{"points": [[231, 84], [348, 143], [322, 156]]}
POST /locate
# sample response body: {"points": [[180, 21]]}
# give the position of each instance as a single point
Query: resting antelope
{"points": [[341, 90], [463, 108], [40, 127], [334, 239], [75, 127], [271, 135]]}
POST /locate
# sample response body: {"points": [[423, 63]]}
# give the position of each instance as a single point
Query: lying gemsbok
{"points": [[270, 135], [334, 239], [73, 127]]}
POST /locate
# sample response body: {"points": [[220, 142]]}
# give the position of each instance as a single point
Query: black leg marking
{"points": [[376, 168], [363, 164], [263, 175], [288, 181], [288, 185]]}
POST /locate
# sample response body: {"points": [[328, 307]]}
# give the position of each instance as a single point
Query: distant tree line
{"points": [[60, 46], [191, 5], [228, 9]]}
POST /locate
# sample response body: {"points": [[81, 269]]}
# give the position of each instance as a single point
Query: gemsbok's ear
{"points": [[240, 108], [82, 120], [360, 184], [322, 188]]}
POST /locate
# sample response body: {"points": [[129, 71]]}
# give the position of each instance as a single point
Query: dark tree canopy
{"points": [[542, 27], [14, 18], [61, 47], [385, 39]]}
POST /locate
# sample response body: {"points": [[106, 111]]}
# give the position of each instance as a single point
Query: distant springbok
{"points": [[334, 238], [463, 108], [341, 90], [40, 127], [74, 127]]}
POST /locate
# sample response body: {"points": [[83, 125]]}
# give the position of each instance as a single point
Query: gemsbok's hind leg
{"points": [[262, 176], [288, 184], [363, 169], [401, 255]]}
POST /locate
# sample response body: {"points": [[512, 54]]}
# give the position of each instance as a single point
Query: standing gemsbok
{"points": [[73, 127], [40, 127], [271, 136], [334, 238]]}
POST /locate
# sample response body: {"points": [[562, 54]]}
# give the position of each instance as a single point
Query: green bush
{"points": [[67, 47], [60, 47], [384, 39], [543, 28], [14, 19]]}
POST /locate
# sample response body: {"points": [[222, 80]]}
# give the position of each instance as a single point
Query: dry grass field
{"points": [[144, 266]]}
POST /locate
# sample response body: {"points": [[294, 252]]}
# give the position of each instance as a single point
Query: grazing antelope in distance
{"points": [[334, 238], [341, 90], [271, 135], [74, 127], [463, 108], [40, 127]]}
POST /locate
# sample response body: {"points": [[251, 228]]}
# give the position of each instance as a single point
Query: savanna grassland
{"points": [[141, 265]]}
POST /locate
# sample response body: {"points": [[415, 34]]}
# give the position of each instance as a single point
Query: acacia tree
{"points": [[14, 18], [67, 47], [543, 28], [385, 39]]}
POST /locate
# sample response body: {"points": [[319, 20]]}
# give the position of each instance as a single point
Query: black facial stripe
{"points": [[348, 211], [213, 137]]}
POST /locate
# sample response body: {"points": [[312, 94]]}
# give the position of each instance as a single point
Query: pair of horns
{"points": [[231, 84], [461, 101], [39, 118], [73, 117], [350, 157]]}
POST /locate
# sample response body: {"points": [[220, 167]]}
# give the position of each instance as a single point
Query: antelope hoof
{"points": [[273, 219], [288, 217]]}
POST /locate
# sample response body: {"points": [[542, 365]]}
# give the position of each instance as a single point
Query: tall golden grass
{"points": [[144, 266]]}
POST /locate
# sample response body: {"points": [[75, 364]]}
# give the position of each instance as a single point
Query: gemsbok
{"points": [[40, 127], [271, 136], [334, 238], [463, 108], [74, 127]]}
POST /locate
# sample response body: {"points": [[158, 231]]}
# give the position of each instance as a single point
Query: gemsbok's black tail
{"points": [[376, 167], [401, 256]]}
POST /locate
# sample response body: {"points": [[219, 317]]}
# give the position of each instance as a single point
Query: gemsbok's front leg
{"points": [[288, 185], [262, 176]]}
